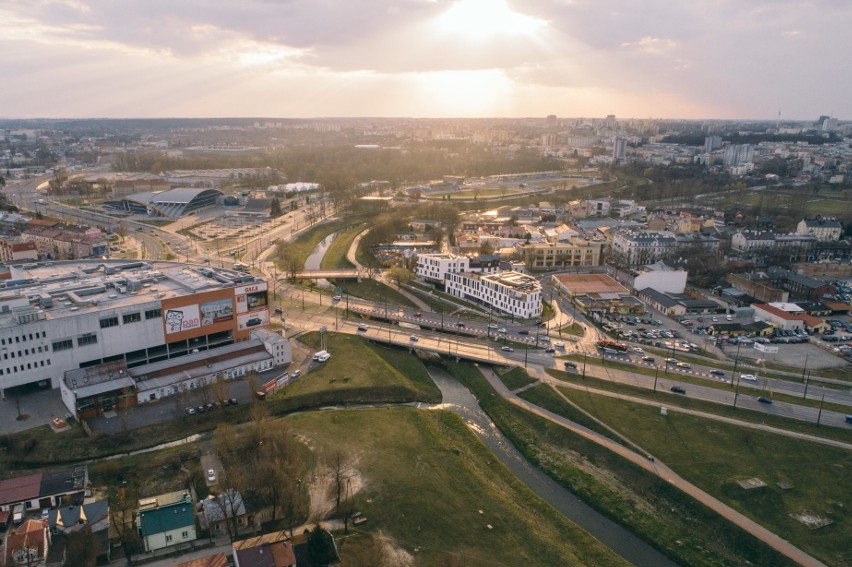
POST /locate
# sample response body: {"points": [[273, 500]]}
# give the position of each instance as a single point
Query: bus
{"points": [[612, 345], [240, 267]]}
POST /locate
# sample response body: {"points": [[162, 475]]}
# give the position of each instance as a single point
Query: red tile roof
{"points": [[20, 489]]}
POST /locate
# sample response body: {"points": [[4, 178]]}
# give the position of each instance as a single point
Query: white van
{"points": [[18, 514], [322, 356], [559, 344]]}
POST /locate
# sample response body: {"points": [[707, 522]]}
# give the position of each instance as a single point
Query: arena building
{"points": [[174, 203], [57, 317]]}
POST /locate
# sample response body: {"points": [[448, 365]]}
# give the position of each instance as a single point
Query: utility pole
{"points": [[819, 415]]}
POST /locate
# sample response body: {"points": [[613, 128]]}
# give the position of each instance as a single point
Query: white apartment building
{"points": [[748, 240], [642, 247], [512, 293], [435, 267], [61, 316], [824, 229]]}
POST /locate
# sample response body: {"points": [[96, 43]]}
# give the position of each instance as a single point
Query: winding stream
{"points": [[457, 398]]}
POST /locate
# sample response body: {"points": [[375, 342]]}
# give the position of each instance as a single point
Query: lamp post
{"points": [[734, 372], [819, 415], [656, 375]]}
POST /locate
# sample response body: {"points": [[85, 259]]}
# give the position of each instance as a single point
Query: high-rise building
{"points": [[738, 154], [619, 148], [712, 143]]}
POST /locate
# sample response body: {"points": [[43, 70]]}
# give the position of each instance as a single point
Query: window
{"points": [[184, 535], [168, 539], [64, 344], [153, 314], [131, 318], [109, 322], [87, 339]]}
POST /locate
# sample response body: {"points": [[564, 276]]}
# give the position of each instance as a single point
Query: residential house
{"points": [[166, 520], [269, 550], [44, 490], [14, 249], [216, 560], [749, 241], [27, 545], [221, 513], [94, 516]]}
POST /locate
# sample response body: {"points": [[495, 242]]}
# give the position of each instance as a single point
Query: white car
{"points": [[507, 349], [638, 350], [749, 377], [211, 475], [492, 325], [501, 330]]}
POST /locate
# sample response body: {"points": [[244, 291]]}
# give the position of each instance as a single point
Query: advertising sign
{"points": [[251, 320], [216, 311], [767, 349], [251, 297], [182, 318]]}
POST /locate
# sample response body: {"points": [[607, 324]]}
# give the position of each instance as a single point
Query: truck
{"points": [[606, 344]]}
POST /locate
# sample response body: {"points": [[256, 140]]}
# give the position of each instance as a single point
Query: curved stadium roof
{"points": [[174, 203]]}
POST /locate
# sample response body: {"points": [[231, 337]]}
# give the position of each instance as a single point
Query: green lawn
{"points": [[335, 256], [715, 455], [674, 523], [374, 290], [358, 367], [439, 494], [516, 378], [307, 241]]}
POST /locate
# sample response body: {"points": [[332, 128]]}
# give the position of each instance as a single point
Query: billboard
{"points": [[251, 297], [249, 321], [216, 311], [183, 318]]}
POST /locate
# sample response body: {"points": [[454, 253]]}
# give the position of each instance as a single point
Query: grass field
{"points": [[515, 378], [715, 455], [300, 248], [358, 365], [335, 256], [441, 496], [674, 523], [668, 398], [374, 290]]}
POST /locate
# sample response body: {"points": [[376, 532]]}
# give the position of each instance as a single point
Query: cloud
{"points": [[254, 57]]}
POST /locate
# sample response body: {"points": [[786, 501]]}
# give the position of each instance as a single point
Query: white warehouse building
{"points": [[57, 317]]}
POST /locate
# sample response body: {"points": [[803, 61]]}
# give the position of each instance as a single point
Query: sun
{"points": [[483, 19]]}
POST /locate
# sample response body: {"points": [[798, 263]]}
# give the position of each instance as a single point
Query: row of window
{"points": [[127, 318], [22, 367], [82, 340], [25, 352], [23, 338]]}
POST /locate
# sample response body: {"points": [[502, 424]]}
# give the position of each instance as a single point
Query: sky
{"points": [[731, 59]]}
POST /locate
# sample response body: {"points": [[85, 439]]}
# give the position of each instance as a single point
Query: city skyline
{"points": [[424, 58]]}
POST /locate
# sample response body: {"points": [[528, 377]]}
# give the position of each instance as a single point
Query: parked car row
{"points": [[211, 406]]}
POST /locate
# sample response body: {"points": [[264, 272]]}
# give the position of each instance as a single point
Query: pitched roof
{"points": [[217, 560], [20, 489]]}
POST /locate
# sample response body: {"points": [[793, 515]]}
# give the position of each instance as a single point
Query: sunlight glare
{"points": [[480, 19]]}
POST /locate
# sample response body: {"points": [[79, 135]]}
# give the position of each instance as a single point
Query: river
{"points": [[457, 398], [315, 259]]}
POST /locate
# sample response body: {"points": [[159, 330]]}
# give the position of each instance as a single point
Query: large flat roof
{"points": [[590, 283], [60, 289]]}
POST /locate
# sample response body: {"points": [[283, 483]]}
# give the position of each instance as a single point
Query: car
{"points": [[671, 361], [678, 390], [260, 395], [295, 374], [749, 377], [638, 350], [190, 411], [211, 406], [211, 475], [569, 364], [492, 325], [279, 311], [233, 401], [253, 322], [418, 314], [45, 513], [507, 349], [648, 359], [717, 372], [764, 400], [413, 339], [362, 327], [523, 332], [460, 325], [550, 350], [501, 330], [559, 344], [544, 339], [683, 365], [200, 409], [336, 298]]}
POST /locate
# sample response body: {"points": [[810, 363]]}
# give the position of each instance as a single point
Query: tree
{"points": [[122, 517], [80, 548], [319, 548], [275, 208], [400, 275]]}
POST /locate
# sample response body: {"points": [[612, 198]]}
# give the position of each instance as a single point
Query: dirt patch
{"points": [[394, 554], [322, 489]]}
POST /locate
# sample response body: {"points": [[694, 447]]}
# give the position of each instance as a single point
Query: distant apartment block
{"points": [[541, 256], [642, 247], [824, 229]]}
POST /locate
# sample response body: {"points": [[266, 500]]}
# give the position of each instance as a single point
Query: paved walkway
{"points": [[779, 544]]}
